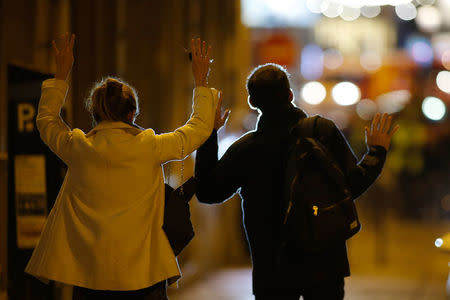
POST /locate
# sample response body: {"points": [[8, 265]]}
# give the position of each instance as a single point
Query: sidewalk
{"points": [[235, 284], [396, 261]]}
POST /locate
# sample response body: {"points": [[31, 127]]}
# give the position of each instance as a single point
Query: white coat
{"points": [[105, 229]]}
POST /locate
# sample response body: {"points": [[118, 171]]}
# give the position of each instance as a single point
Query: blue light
{"points": [[420, 50], [311, 65]]}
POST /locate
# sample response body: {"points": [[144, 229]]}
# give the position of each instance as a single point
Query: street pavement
{"points": [[397, 260], [235, 284]]}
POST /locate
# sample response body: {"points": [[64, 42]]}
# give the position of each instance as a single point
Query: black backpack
{"points": [[319, 208]]}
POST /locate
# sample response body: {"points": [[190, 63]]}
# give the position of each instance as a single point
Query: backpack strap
{"points": [[306, 127]]}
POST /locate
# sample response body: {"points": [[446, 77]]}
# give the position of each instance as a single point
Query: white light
{"points": [[429, 18], [406, 11], [346, 93], [371, 61], [446, 59], [366, 109], [282, 7], [276, 13], [444, 6], [324, 5], [350, 13], [394, 101], [433, 108], [313, 92], [360, 3], [332, 59], [315, 6], [443, 81], [333, 10], [438, 242], [370, 11], [425, 2], [440, 43]]}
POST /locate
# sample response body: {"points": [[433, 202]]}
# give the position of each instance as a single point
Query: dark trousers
{"points": [[333, 290], [154, 292]]}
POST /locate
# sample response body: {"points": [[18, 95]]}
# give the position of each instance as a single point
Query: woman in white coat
{"points": [[104, 234]]}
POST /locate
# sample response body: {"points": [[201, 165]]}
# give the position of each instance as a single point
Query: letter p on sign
{"points": [[25, 117]]}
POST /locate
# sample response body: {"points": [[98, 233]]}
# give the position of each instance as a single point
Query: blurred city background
{"points": [[348, 59]]}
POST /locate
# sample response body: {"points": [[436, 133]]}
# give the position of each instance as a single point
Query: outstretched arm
{"points": [[217, 180], [54, 132], [184, 140], [362, 174]]}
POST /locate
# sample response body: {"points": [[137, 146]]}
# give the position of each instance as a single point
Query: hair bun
{"points": [[112, 100]]}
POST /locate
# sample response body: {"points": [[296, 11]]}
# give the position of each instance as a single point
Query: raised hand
{"points": [[64, 56], [220, 119], [380, 133], [200, 61]]}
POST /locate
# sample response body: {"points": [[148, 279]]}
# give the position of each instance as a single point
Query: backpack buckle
{"points": [[315, 208]]}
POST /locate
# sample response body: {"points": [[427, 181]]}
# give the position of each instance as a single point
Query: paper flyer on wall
{"points": [[31, 198]]}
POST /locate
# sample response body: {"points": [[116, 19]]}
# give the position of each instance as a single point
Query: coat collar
{"points": [[283, 119], [114, 125]]}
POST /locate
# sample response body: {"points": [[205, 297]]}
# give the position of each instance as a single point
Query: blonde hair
{"points": [[112, 99]]}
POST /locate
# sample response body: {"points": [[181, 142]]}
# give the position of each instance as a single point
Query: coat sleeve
{"points": [[53, 130], [360, 174], [184, 140], [217, 180]]}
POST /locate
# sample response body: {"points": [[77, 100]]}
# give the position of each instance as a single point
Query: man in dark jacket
{"points": [[254, 166]]}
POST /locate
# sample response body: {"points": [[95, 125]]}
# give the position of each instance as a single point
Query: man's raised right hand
{"points": [[380, 132]]}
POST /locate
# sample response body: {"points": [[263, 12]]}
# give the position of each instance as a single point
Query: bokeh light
{"points": [[426, 2], [433, 108], [333, 9], [313, 92], [420, 50], [346, 93], [370, 60], [332, 59], [311, 65], [366, 109], [429, 19], [350, 13], [394, 101], [438, 242], [315, 6], [370, 11], [406, 11], [278, 13], [360, 3], [443, 81], [445, 59]]}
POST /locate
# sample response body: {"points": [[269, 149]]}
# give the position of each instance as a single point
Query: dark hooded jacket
{"points": [[253, 165]]}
